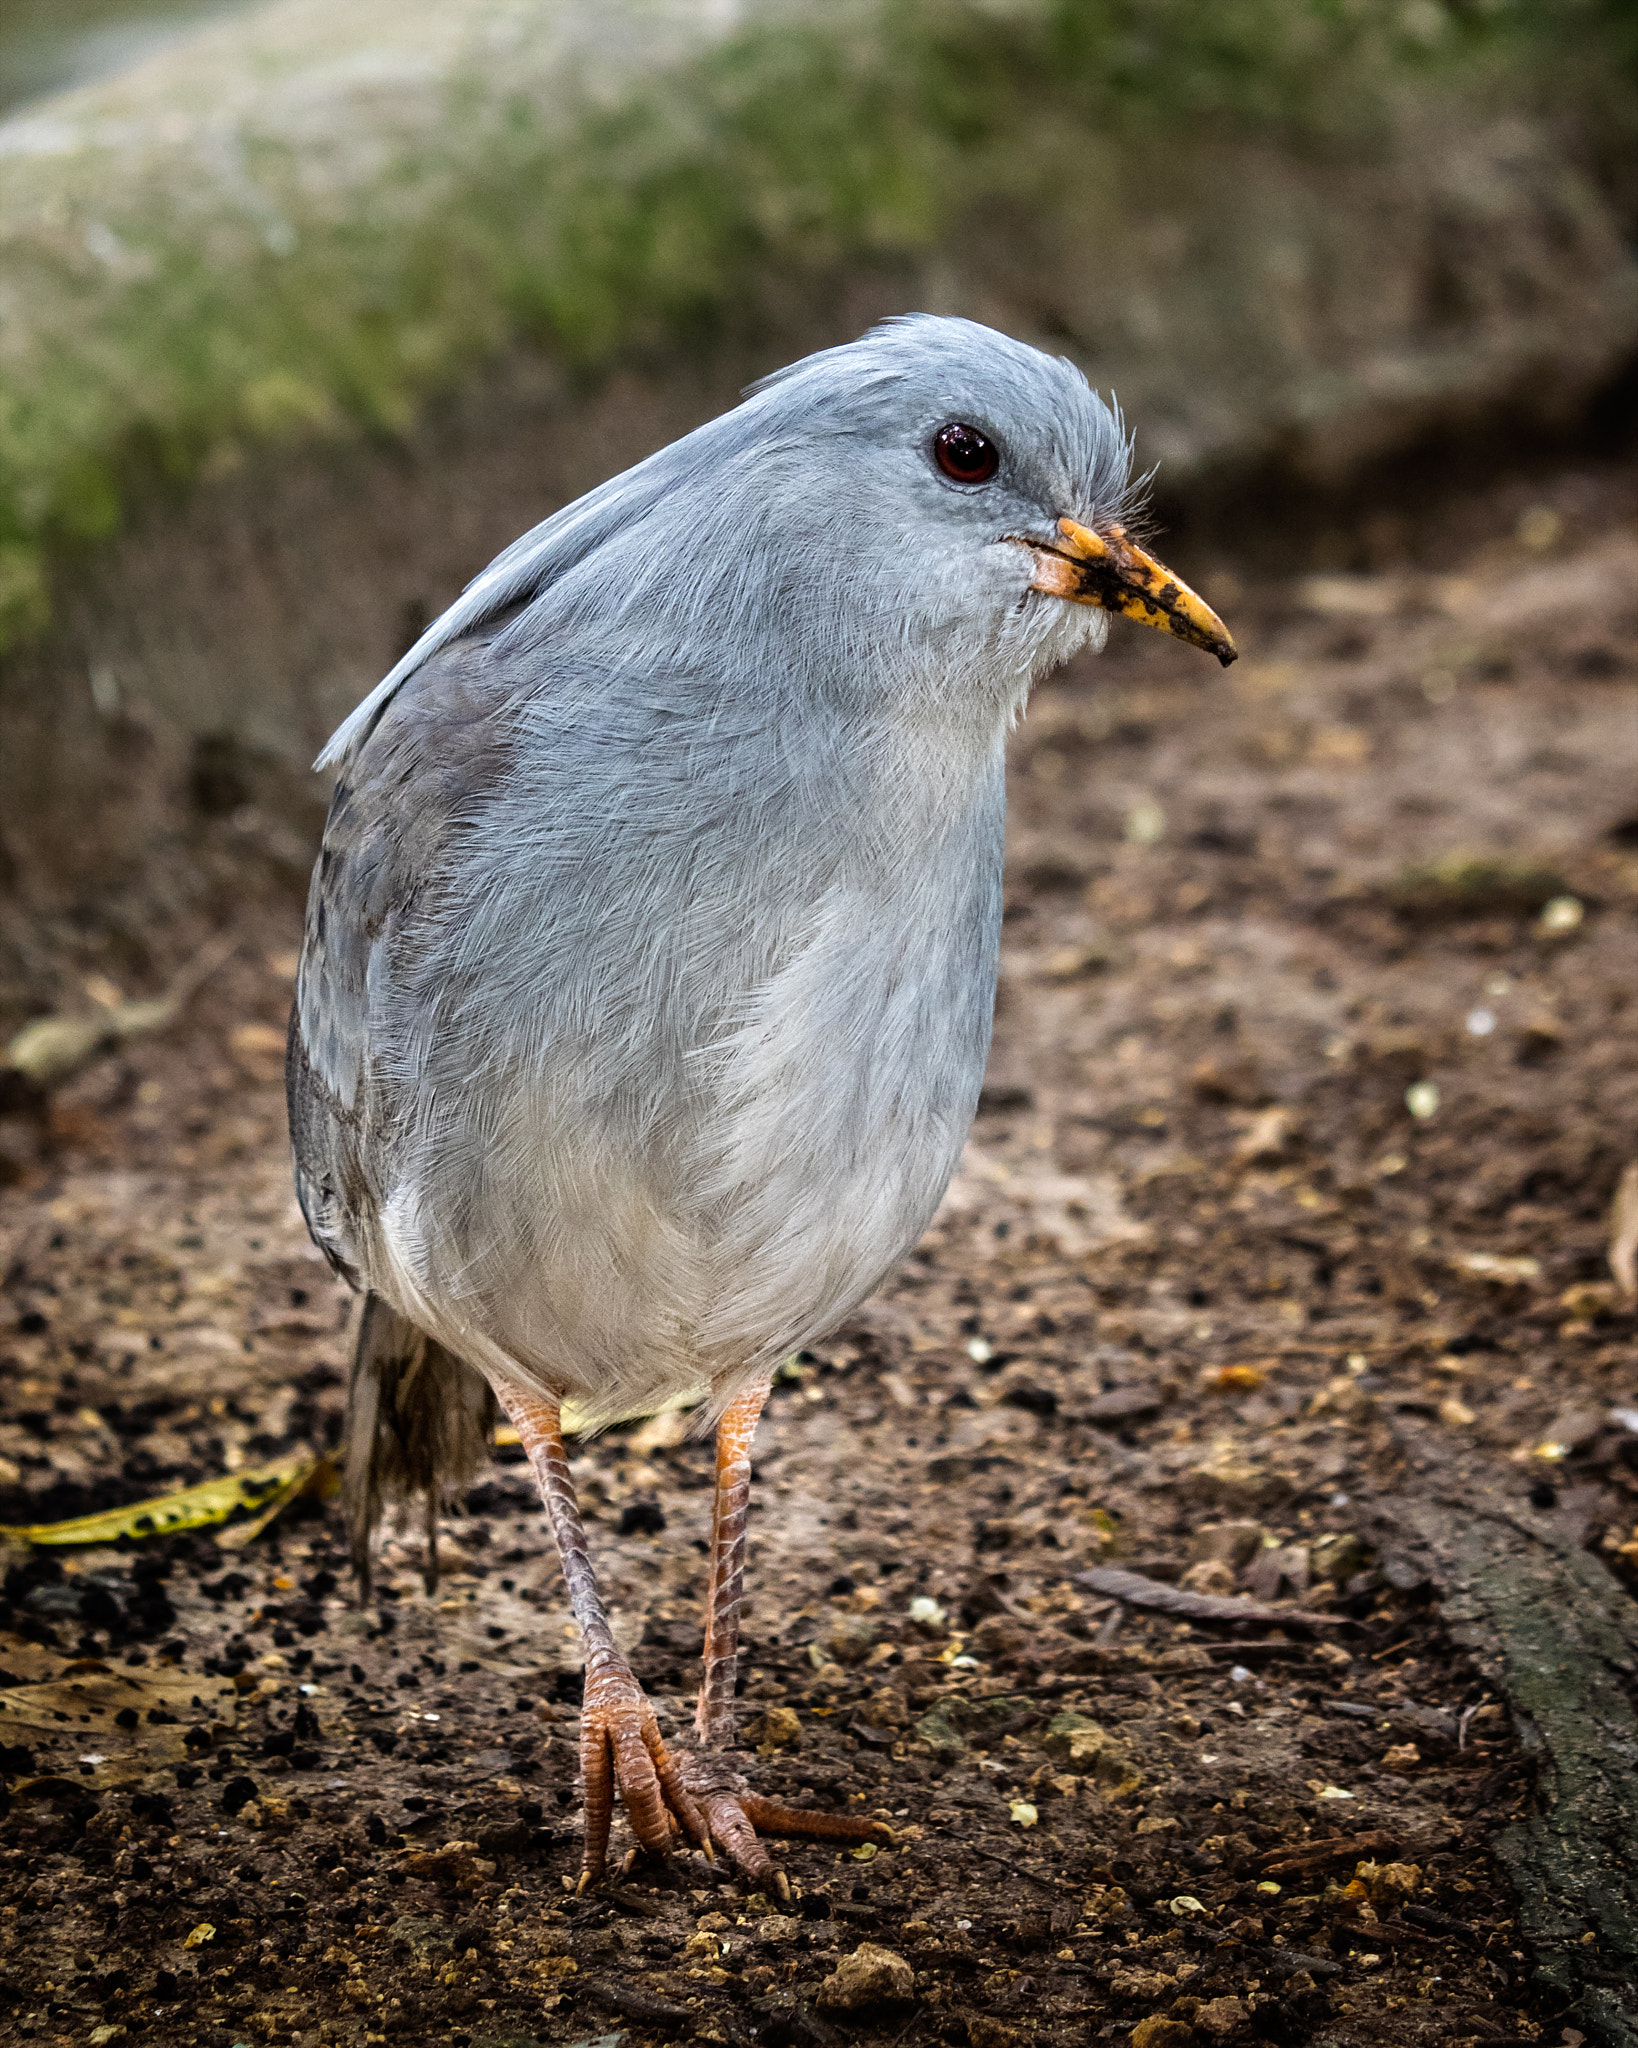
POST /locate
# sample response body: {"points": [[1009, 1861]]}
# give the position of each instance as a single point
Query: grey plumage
{"points": [[651, 952]]}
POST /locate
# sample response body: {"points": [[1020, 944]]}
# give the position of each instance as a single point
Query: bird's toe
{"points": [[621, 1749], [738, 1817]]}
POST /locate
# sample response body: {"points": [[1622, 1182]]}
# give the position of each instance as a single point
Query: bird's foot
{"points": [[736, 1816], [621, 1746]]}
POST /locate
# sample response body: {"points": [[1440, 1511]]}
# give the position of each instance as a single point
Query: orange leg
{"points": [[620, 1743], [730, 1516], [733, 1812]]}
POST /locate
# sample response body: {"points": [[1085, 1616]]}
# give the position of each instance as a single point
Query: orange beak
{"points": [[1105, 569]]}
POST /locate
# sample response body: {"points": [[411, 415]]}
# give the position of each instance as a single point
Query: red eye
{"points": [[964, 454]]}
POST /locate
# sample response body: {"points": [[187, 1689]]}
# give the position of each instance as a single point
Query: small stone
{"points": [[273, 1816], [849, 1639], [105, 2035], [1219, 2017], [1268, 1137], [1228, 1479], [1230, 1543], [1157, 2031], [984, 2032], [870, 1976], [779, 1728], [1388, 1884], [1085, 1749], [1336, 1557], [884, 1709]]}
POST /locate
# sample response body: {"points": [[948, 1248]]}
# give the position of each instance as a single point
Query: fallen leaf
{"points": [[51, 1049], [261, 1493], [123, 1721]]}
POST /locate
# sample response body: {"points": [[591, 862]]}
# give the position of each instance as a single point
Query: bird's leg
{"points": [[733, 1812], [730, 1517], [620, 1743]]}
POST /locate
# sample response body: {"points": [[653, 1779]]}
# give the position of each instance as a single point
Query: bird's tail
{"points": [[418, 1421]]}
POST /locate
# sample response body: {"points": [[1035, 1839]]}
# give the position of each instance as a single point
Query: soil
{"points": [[1288, 1203]]}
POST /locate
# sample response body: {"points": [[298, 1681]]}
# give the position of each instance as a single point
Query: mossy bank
{"points": [[303, 317]]}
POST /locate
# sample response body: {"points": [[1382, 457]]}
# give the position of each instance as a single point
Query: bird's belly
{"points": [[622, 1258], [841, 1105]]}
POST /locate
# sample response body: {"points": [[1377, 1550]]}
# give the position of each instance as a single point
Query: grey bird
{"points": [[650, 955]]}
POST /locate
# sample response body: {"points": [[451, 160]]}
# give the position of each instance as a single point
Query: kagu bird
{"points": [[651, 952]]}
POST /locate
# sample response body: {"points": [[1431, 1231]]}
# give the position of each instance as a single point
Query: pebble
{"points": [[870, 1976]]}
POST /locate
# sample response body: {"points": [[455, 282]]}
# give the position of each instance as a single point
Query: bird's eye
{"points": [[964, 454]]}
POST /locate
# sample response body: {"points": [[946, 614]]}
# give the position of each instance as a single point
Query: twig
{"points": [[1139, 1591], [1047, 1884], [1288, 1860]]}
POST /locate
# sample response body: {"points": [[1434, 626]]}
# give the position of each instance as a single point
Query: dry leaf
{"points": [[262, 1492], [51, 1049], [122, 1722]]}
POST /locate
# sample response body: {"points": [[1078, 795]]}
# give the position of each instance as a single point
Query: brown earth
{"points": [[1287, 1205]]}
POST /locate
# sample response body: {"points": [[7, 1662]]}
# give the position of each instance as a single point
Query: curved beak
{"points": [[1105, 569]]}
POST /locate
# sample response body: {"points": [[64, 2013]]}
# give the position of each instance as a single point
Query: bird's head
{"points": [[934, 513], [965, 486]]}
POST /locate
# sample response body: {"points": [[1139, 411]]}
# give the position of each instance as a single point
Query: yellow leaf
{"points": [[262, 1491]]}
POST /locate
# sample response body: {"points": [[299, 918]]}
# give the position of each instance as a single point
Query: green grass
{"points": [[204, 329]]}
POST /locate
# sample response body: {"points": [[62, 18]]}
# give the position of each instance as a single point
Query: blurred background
{"points": [[307, 308]]}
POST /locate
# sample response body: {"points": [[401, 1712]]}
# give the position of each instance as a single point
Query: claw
{"points": [[735, 1816], [621, 1749]]}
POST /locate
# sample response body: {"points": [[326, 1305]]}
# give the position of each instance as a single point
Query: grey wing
{"points": [[437, 751]]}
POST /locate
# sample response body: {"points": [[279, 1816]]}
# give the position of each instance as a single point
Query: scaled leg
{"points": [[620, 1742]]}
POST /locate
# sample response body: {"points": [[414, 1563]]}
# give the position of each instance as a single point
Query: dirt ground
{"points": [[1288, 1199]]}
